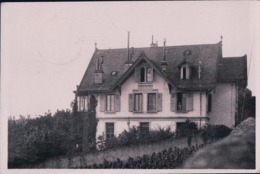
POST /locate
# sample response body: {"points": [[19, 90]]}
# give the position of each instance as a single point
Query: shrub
{"points": [[188, 129], [130, 137], [112, 142], [166, 159], [135, 136], [214, 132]]}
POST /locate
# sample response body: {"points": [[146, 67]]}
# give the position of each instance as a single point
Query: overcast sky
{"points": [[46, 47]]}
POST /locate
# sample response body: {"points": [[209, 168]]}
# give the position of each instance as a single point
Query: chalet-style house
{"points": [[163, 86]]}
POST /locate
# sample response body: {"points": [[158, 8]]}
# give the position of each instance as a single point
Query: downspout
{"points": [[236, 111], [199, 71], [200, 106], [231, 101]]}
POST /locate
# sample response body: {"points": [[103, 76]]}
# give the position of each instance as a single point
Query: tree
{"points": [[90, 126], [188, 129]]}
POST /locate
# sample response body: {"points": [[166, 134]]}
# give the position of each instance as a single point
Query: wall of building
{"points": [[161, 85], [125, 119], [224, 102]]}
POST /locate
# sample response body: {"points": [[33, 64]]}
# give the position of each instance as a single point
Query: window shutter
{"points": [[131, 102], [189, 103], [152, 75], [78, 103], [159, 102], [102, 102], [184, 101], [173, 102], [187, 72], [137, 74], [182, 72], [142, 102], [117, 102]]}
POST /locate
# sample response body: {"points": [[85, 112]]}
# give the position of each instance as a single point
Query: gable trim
{"points": [[127, 74]]}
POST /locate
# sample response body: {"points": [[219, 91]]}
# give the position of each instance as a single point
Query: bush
{"points": [[214, 132], [112, 142], [135, 136], [188, 129], [166, 159]]}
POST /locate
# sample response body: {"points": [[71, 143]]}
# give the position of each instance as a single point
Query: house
{"points": [[161, 86]]}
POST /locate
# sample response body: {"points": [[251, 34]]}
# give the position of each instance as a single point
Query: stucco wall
{"points": [[161, 85], [160, 119], [224, 103]]}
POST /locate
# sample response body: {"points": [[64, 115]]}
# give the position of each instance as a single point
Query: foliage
{"points": [[214, 132], [34, 140], [90, 126], [188, 129], [134, 136], [48, 136], [167, 159]]}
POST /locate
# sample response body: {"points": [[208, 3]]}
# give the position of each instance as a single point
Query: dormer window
{"points": [[185, 72], [149, 74], [146, 74]]}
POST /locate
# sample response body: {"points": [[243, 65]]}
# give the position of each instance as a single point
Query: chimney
{"points": [[98, 77], [164, 63], [153, 44], [129, 61]]}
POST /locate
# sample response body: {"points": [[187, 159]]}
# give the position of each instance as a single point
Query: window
{"points": [[185, 72], [154, 102], [187, 52], [182, 101], [110, 102], [109, 130], [144, 127], [151, 102], [145, 74], [82, 103], [142, 77], [209, 102], [138, 102], [114, 73], [149, 74]]}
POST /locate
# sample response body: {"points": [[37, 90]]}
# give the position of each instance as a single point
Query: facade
{"points": [[154, 87]]}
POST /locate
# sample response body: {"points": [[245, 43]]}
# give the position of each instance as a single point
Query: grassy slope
{"points": [[122, 153]]}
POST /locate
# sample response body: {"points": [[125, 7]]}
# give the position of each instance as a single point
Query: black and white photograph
{"points": [[129, 86]]}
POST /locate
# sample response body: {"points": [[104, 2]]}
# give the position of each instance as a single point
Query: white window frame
{"points": [[155, 102], [110, 103], [111, 134], [82, 103], [147, 75], [187, 74], [138, 102]]}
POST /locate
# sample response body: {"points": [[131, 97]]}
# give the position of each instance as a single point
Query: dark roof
{"points": [[232, 69], [114, 60]]}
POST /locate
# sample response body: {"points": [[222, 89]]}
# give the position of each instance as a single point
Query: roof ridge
{"points": [[236, 57], [158, 47]]}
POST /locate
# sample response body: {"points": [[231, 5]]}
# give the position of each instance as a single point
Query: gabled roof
{"points": [[114, 60], [130, 71], [232, 69]]}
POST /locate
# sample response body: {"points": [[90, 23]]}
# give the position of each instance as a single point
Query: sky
{"points": [[46, 47]]}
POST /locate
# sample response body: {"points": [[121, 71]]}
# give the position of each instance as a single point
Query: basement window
{"points": [[110, 127]]}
